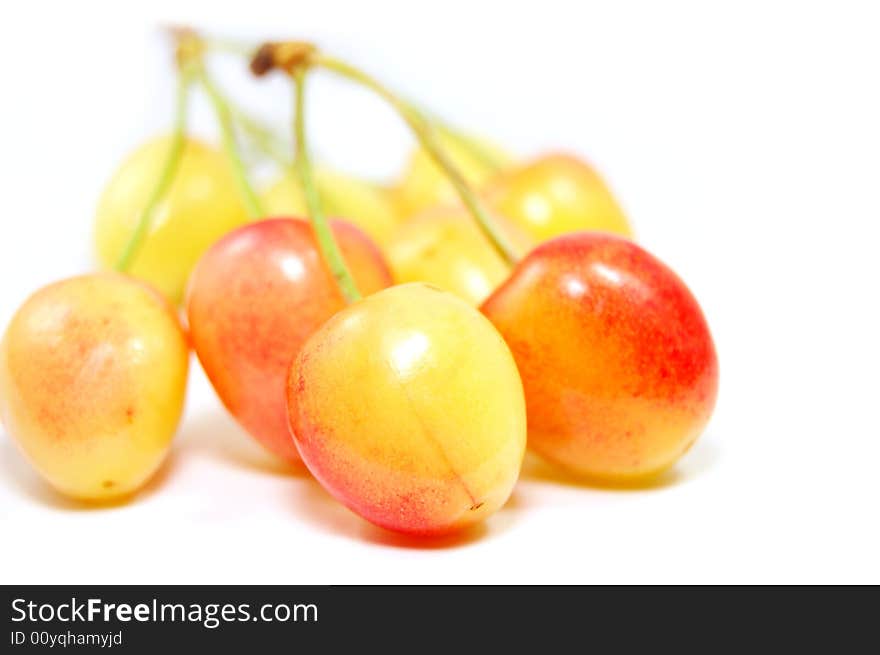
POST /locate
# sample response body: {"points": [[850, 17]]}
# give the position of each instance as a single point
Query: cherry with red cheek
{"points": [[617, 361], [253, 300]]}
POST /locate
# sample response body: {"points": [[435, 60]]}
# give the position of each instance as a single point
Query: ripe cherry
{"points": [[556, 194], [92, 377], [618, 365], [201, 205], [408, 408]]}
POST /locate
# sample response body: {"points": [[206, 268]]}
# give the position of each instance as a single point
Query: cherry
{"points": [[555, 194], [618, 365], [407, 407], [93, 371], [200, 206]]}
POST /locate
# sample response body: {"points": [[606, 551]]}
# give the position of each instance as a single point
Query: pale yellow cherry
{"points": [[202, 204], [93, 371], [407, 406], [556, 194]]}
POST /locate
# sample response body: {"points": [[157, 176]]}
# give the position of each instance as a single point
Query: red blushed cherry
{"points": [[618, 365], [253, 300]]}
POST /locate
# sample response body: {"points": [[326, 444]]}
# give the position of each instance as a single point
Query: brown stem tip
{"points": [[286, 56]]}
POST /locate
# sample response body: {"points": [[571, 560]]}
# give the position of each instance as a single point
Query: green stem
{"points": [[485, 156], [166, 175], [327, 243], [425, 134], [262, 135], [230, 145]]}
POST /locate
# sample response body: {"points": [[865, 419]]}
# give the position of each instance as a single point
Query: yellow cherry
{"points": [[424, 185], [444, 247], [407, 406], [556, 194], [92, 377], [362, 203], [201, 205]]}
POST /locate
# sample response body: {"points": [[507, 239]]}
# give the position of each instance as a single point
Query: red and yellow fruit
{"points": [[408, 408], [93, 371], [618, 365]]}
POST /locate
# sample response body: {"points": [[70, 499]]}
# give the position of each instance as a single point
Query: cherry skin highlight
{"points": [[618, 365], [93, 372], [408, 408], [556, 194], [253, 300]]}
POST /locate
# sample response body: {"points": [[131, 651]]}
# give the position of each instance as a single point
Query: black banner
{"points": [[392, 619]]}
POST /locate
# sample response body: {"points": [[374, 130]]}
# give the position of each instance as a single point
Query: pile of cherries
{"points": [[406, 352]]}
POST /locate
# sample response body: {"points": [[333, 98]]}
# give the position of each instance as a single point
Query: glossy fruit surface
{"points": [[617, 361], [408, 408], [362, 203], [253, 300], [444, 247], [556, 194], [202, 205], [92, 377], [423, 185]]}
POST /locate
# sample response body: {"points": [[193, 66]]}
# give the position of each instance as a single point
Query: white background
{"points": [[742, 138]]}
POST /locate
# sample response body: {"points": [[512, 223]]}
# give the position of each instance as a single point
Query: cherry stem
{"points": [[324, 235], [230, 145], [269, 143], [263, 136], [425, 134], [166, 175]]}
